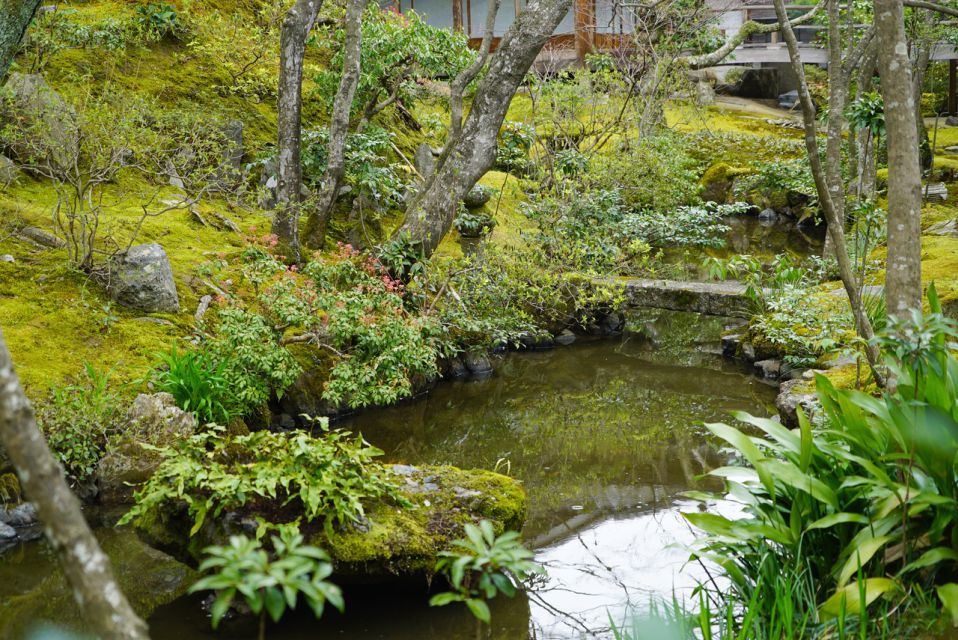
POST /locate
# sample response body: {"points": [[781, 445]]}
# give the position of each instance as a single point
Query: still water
{"points": [[605, 435]]}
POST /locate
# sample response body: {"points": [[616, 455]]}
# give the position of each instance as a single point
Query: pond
{"points": [[604, 436]]}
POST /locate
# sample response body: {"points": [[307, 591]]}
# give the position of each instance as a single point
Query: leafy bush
{"points": [[346, 304], [401, 54], [78, 421], [326, 477], [269, 582], [473, 225], [515, 141], [158, 18], [483, 566], [367, 170], [775, 180], [655, 173], [700, 226], [864, 506], [197, 383]]}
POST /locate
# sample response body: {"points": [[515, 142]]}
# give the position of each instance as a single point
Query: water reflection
{"points": [[604, 436]]}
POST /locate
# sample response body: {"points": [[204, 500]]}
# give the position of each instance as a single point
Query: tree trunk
{"points": [[837, 98], [297, 24], [318, 221], [15, 17], [903, 267], [835, 228], [429, 216], [104, 606]]}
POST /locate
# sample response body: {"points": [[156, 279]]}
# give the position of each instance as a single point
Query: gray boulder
{"points": [[792, 396], [8, 172], [231, 170], [142, 278], [268, 181], [943, 228], [154, 420], [424, 161], [478, 364], [477, 196], [759, 83], [788, 100], [47, 123]]}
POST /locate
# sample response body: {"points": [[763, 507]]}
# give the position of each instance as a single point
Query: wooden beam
{"points": [[469, 17], [584, 29], [953, 87], [457, 16]]}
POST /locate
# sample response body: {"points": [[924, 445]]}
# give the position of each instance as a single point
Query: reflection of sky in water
{"points": [[616, 567]]}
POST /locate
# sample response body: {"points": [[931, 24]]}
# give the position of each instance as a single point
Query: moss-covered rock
{"points": [[36, 589], [718, 180], [393, 542]]}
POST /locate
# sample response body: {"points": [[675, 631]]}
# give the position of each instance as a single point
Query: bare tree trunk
{"points": [[458, 87], [296, 27], [15, 17], [429, 216], [835, 228], [837, 99], [104, 606], [903, 267], [318, 221]]}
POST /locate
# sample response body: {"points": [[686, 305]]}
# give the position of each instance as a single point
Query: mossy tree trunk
{"points": [[87, 568], [15, 17], [467, 158], [297, 24], [319, 217], [903, 266]]}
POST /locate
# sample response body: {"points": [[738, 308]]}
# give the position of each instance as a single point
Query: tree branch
{"points": [[748, 29], [469, 74], [931, 6]]}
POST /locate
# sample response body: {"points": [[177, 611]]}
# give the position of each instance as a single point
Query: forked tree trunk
{"points": [[104, 607], [903, 266], [297, 24], [430, 214], [835, 228], [15, 17], [318, 221]]}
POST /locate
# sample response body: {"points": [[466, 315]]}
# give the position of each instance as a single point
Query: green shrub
{"points": [[78, 421], [866, 504], [270, 583], [483, 566], [655, 173], [327, 477]]}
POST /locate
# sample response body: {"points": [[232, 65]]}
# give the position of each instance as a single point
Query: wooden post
{"points": [[953, 87], [584, 29], [469, 18], [457, 16]]}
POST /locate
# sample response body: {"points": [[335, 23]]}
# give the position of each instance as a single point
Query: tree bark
{"points": [[105, 608], [318, 221], [297, 24], [429, 216], [15, 17], [903, 266], [835, 229], [459, 84]]}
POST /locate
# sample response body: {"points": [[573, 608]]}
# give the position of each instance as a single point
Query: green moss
{"points": [[723, 172], [402, 541]]}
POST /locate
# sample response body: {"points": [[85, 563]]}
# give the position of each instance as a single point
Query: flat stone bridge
{"points": [[710, 298]]}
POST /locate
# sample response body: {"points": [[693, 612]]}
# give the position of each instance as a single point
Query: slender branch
{"points": [[747, 30], [931, 6]]}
